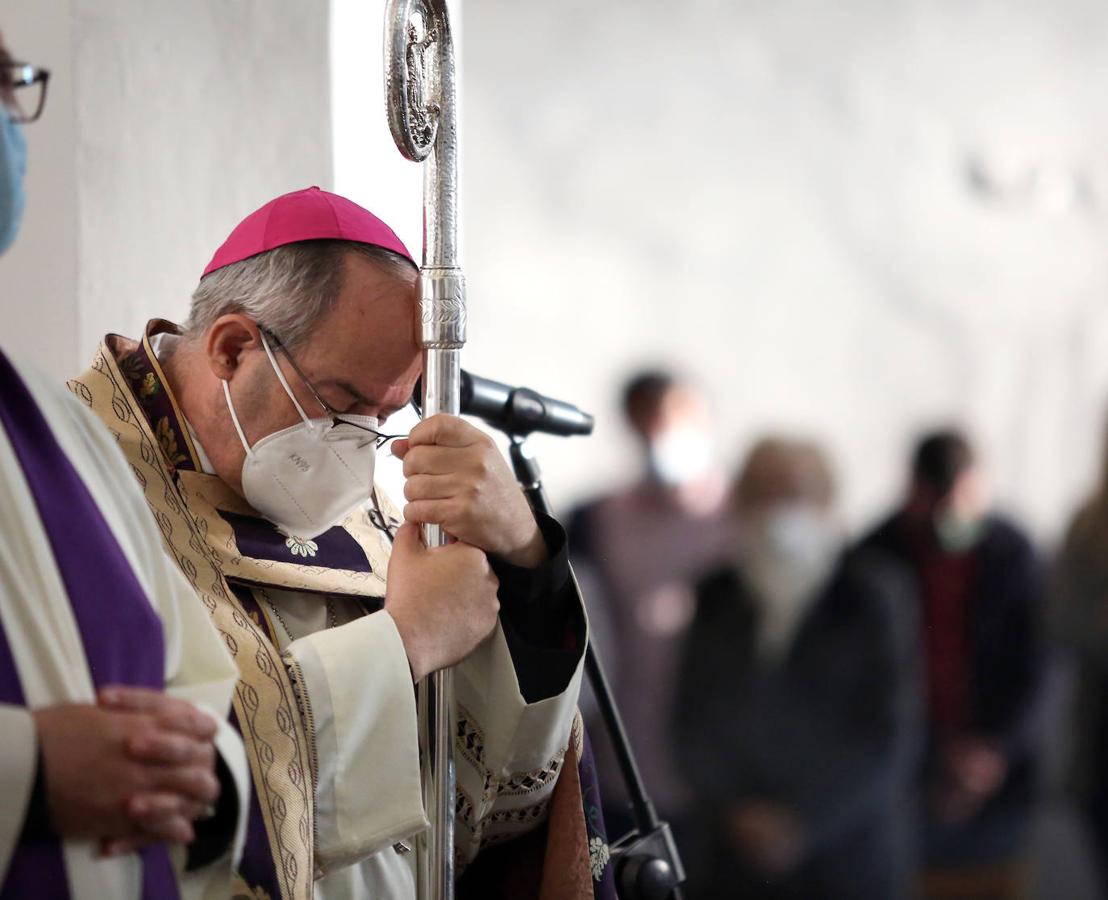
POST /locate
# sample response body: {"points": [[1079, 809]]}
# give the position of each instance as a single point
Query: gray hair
{"points": [[287, 290]]}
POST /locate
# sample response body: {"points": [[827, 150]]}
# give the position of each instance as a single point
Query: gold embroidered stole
{"points": [[223, 548], [126, 388]]}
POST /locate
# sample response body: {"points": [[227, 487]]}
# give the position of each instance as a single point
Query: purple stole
{"points": [[121, 633]]}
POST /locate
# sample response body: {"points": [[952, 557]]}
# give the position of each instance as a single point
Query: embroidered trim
{"points": [[151, 359], [463, 806], [266, 689], [304, 706], [299, 546], [470, 744], [525, 815], [469, 740], [535, 780], [599, 857]]}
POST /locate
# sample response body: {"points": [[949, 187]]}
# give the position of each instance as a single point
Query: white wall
{"points": [[167, 123], [368, 167], [776, 198]]}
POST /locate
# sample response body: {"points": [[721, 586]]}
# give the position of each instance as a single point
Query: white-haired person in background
{"points": [[798, 700]]}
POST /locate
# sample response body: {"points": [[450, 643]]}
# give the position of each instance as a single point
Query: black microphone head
{"points": [[515, 411]]}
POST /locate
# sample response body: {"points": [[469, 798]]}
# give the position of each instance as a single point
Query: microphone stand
{"points": [[647, 864]]}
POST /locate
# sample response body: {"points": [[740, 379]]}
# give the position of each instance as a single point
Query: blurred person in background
{"points": [[637, 551], [797, 710], [979, 588], [1079, 620], [115, 782]]}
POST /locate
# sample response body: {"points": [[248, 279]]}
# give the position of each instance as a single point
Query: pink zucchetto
{"points": [[307, 215]]}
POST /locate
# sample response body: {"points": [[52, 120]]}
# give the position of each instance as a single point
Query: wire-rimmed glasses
{"points": [[379, 439]]}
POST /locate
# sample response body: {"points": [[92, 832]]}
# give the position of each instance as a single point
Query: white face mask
{"points": [[680, 455], [787, 557], [789, 551], [307, 477]]}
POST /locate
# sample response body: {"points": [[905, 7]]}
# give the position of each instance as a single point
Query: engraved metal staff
{"points": [[419, 94]]}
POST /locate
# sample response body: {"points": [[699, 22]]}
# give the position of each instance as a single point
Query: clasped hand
{"points": [[135, 769]]}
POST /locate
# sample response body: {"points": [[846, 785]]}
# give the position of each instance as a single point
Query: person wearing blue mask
{"points": [[114, 685], [23, 92]]}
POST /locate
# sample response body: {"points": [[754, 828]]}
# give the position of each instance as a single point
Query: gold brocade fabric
{"points": [[276, 743], [207, 495], [226, 551]]}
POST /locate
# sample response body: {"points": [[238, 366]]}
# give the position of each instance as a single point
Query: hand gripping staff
{"points": [[419, 95]]}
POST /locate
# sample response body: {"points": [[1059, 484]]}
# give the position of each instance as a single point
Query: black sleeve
{"points": [[1022, 718], [702, 712], [36, 820], [872, 751], [543, 617], [215, 834]]}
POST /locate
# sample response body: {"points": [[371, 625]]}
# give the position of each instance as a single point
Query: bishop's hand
{"points": [[459, 479], [442, 599]]}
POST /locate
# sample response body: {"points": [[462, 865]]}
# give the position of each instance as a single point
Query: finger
{"points": [[172, 712], [152, 805], [432, 512], [430, 487], [186, 719], [407, 541], [195, 783], [399, 447], [132, 699], [444, 430], [171, 748], [430, 460], [172, 827]]}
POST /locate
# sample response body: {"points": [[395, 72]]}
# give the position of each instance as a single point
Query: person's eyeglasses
{"points": [[379, 439], [23, 89]]}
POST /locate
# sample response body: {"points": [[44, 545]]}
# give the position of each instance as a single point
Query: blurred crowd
{"points": [[820, 714]]}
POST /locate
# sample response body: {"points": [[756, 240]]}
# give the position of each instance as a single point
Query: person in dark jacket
{"points": [[1079, 619], [797, 704], [979, 589]]}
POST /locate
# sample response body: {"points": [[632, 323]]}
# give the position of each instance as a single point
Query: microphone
{"points": [[516, 411]]}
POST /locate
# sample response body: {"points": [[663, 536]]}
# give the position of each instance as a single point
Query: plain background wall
{"points": [[850, 218], [166, 123], [853, 219]]}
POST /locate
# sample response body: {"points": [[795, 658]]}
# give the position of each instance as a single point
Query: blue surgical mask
{"points": [[13, 166]]}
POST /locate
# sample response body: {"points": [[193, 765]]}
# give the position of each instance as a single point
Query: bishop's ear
{"points": [[226, 341]]}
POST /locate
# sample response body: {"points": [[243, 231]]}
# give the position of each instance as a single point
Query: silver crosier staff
{"points": [[419, 94]]}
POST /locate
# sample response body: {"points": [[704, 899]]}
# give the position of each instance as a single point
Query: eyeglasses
{"points": [[23, 90], [379, 439]]}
